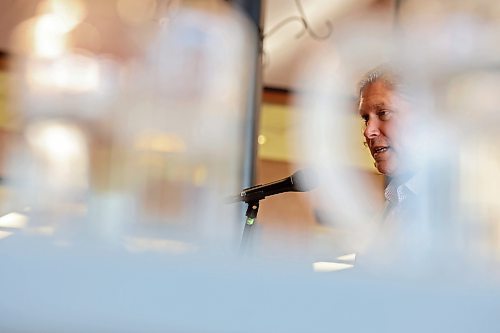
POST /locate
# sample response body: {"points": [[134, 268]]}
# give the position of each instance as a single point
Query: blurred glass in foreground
{"points": [[441, 135], [130, 126], [138, 155]]}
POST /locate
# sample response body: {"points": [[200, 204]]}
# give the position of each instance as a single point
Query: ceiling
{"points": [[294, 30]]}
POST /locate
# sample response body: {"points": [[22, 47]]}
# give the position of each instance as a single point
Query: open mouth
{"points": [[380, 150]]}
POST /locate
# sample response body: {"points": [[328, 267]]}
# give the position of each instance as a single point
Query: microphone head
{"points": [[304, 180]]}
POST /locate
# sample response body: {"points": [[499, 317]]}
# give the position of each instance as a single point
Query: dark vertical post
{"points": [[253, 9]]}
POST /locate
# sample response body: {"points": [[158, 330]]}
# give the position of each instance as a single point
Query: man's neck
{"points": [[399, 178]]}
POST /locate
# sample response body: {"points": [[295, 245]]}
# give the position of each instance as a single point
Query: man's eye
{"points": [[384, 115]]}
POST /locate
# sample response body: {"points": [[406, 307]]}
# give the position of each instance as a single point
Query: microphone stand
{"points": [[300, 181], [251, 216]]}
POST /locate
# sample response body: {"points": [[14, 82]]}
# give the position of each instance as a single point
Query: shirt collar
{"points": [[400, 188]]}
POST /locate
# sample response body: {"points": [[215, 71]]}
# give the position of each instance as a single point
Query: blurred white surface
{"points": [[48, 289]]}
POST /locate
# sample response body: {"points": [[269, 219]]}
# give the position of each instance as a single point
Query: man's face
{"points": [[381, 109]]}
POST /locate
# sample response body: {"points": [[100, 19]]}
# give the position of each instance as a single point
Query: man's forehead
{"points": [[374, 103], [376, 99]]}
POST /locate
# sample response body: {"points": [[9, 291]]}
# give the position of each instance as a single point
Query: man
{"points": [[387, 114]]}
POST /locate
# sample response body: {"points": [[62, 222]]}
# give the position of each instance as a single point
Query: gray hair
{"points": [[385, 73]]}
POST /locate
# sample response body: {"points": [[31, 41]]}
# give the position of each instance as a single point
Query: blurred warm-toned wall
{"points": [[292, 216]]}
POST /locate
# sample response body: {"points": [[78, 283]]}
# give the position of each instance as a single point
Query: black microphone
{"points": [[301, 181]]}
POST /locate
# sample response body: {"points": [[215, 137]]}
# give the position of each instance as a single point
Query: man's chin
{"points": [[385, 168]]}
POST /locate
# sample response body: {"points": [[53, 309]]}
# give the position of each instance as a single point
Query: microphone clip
{"points": [[251, 213]]}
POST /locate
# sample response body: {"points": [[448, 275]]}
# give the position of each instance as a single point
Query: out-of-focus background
{"points": [[128, 127], [293, 32]]}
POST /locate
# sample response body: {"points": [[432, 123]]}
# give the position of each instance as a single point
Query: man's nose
{"points": [[372, 130]]}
